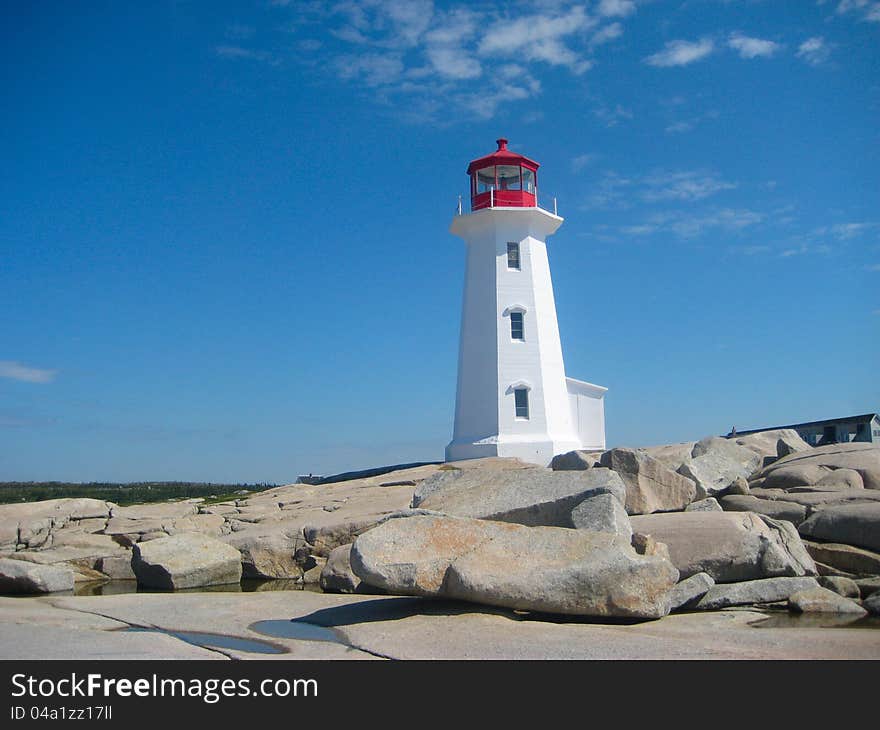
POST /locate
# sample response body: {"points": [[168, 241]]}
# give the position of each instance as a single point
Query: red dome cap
{"points": [[502, 156]]}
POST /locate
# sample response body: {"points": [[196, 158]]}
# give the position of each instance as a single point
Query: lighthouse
{"points": [[513, 398]]}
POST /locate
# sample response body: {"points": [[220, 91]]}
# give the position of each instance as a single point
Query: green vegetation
{"points": [[124, 494]]}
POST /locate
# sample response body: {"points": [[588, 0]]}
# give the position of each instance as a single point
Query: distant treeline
{"points": [[122, 494]]}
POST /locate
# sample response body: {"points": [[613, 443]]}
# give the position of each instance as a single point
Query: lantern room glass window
{"points": [[508, 177], [528, 180], [485, 180]]}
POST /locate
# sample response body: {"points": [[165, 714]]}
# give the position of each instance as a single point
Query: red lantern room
{"points": [[503, 179]]}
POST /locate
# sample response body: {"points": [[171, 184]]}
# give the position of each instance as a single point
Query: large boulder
{"points": [[602, 513], [337, 575], [774, 444], [671, 456], [842, 479], [547, 569], [841, 586], [575, 460], [823, 600], [746, 593], [710, 504], [813, 499], [780, 510], [650, 486], [20, 576], [814, 465], [853, 524], [729, 546], [689, 591], [525, 496], [846, 558], [185, 561], [716, 464], [267, 554]]}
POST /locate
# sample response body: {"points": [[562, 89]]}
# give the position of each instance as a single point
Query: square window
{"points": [[513, 256], [521, 398]]}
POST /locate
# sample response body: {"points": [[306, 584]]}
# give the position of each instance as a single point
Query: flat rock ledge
{"points": [[544, 569]]}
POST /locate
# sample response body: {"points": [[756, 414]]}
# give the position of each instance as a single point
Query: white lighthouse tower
{"points": [[513, 398]]}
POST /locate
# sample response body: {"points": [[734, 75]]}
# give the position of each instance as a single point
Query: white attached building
{"points": [[513, 397]]}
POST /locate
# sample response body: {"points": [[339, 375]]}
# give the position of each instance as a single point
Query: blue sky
{"points": [[224, 246]]}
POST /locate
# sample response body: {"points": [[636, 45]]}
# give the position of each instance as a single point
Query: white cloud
{"points": [[538, 38], [815, 51], [678, 127], [870, 9], [806, 249], [685, 224], [845, 231], [681, 53], [614, 191], [581, 161], [752, 47], [606, 34], [611, 117], [372, 69], [452, 63], [17, 371], [752, 250], [683, 185], [616, 8], [246, 53]]}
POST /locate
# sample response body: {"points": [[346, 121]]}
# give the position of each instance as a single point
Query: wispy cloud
{"points": [[616, 8], [683, 185], [869, 10], [538, 37], [814, 51], [612, 116], [430, 61], [687, 125], [807, 249], [247, 53], [606, 33], [681, 53], [688, 224], [579, 162], [614, 191], [749, 48], [25, 373]]}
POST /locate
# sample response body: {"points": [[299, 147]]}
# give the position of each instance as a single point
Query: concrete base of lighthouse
{"points": [[587, 410], [530, 451]]}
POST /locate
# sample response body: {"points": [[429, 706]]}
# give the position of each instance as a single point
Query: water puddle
{"points": [[216, 641], [247, 585], [292, 629]]}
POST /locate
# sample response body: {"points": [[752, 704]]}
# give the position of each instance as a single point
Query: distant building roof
{"points": [[865, 417]]}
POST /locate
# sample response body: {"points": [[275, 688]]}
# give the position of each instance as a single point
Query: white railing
{"points": [[550, 208]]}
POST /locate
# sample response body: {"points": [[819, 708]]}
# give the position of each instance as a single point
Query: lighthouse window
{"points": [[508, 177], [513, 256], [485, 179], [521, 399], [528, 181], [516, 326]]}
